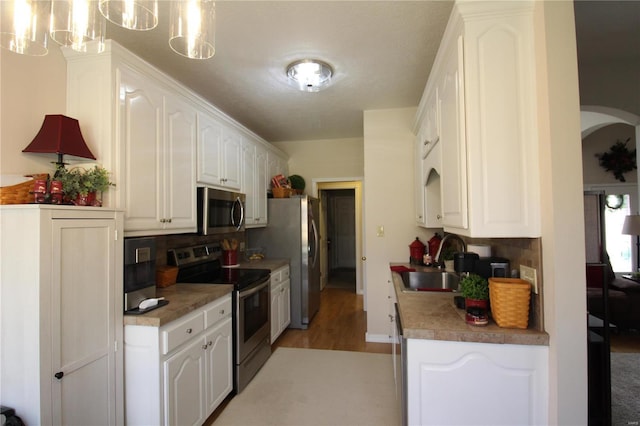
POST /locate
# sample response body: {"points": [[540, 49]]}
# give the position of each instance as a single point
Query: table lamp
{"points": [[61, 135], [631, 226]]}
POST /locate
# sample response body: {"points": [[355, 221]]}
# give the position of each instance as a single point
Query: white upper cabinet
{"points": [[452, 129], [158, 135], [158, 139], [254, 175], [485, 79], [219, 147]]}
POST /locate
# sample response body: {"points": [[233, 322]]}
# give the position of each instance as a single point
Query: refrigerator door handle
{"points": [[314, 248]]}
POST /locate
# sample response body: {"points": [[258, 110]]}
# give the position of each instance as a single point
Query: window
{"points": [[619, 246]]}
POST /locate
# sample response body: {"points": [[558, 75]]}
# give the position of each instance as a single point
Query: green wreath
{"points": [[618, 160]]}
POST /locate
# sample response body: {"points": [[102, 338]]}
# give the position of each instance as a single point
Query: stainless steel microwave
{"points": [[220, 211]]}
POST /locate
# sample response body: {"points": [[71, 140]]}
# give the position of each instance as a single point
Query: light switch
{"points": [[380, 231]]}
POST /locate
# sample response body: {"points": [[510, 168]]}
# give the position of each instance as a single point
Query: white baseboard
{"points": [[378, 338]]}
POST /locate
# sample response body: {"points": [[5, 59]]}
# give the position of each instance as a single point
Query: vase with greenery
{"points": [[297, 183], [80, 186], [475, 290], [447, 256]]}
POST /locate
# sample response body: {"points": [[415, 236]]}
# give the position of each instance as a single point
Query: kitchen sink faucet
{"points": [[444, 240]]}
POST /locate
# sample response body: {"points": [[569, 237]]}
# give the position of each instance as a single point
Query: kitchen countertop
{"points": [[183, 299], [434, 316], [267, 263]]}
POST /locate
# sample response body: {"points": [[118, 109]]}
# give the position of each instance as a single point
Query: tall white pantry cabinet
{"points": [[61, 360]]}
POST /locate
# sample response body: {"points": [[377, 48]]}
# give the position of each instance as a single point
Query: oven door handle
{"points": [[253, 289]]}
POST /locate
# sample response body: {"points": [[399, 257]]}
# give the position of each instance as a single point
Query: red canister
{"points": [[434, 244], [40, 190], [416, 250]]}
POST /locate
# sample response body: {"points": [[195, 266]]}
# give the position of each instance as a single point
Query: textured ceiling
{"points": [[382, 52]]}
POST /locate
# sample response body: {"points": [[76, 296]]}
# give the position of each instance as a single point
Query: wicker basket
{"points": [[166, 276], [279, 192], [20, 193], [509, 299]]}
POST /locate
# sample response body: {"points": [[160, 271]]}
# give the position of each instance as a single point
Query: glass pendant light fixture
{"points": [[78, 24], [138, 15], [25, 26], [192, 31], [309, 75]]}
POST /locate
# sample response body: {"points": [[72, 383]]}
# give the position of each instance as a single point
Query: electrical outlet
{"points": [[529, 274], [380, 231]]}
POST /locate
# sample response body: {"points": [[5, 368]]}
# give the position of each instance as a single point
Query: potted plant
{"points": [[80, 186], [475, 290], [297, 183]]}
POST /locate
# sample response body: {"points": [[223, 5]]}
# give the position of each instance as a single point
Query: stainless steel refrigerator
{"points": [[292, 233]]}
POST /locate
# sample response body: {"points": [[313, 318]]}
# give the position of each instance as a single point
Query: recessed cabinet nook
{"points": [[160, 141], [477, 144]]}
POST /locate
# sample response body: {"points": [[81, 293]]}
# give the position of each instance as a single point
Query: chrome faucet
{"points": [[444, 240]]}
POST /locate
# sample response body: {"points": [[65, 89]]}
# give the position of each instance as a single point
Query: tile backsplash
{"points": [[521, 251], [166, 242]]}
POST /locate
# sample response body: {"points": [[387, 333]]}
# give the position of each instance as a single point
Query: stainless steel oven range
{"points": [[251, 304]]}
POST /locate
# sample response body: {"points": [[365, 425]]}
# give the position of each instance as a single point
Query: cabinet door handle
{"points": [[189, 330], [169, 220], [59, 375], [163, 220], [221, 311], [210, 343], [204, 346]]}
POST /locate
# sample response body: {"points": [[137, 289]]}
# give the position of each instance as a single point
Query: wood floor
{"points": [[341, 324]]}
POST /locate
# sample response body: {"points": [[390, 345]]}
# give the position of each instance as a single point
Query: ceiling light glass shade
{"points": [[192, 31], [138, 15], [78, 24], [309, 75], [25, 26]]}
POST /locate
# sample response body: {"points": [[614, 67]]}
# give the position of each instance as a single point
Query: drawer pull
{"points": [[189, 330], [221, 311]]}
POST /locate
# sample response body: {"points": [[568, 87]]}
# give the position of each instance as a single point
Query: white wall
{"points": [[30, 87], [388, 202], [329, 158], [613, 84], [562, 207]]}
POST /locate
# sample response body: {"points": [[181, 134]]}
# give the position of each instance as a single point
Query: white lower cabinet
{"points": [[443, 376], [179, 373], [280, 301]]}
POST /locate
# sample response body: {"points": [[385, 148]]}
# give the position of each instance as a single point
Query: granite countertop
{"points": [[434, 316], [183, 299], [267, 263]]}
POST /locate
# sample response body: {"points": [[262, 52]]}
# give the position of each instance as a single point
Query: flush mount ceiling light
{"points": [[309, 75]]}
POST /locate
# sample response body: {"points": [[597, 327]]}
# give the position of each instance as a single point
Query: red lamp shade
{"points": [[61, 135]]}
